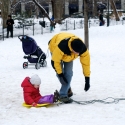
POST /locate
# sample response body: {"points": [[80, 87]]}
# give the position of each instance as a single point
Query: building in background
{"points": [[70, 6]]}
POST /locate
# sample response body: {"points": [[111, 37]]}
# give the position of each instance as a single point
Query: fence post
{"points": [[89, 23], [41, 29], [33, 27], [66, 24], [74, 24], [81, 23], [3, 33], [23, 28]]}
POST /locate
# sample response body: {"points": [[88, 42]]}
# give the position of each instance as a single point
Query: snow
{"points": [[107, 51]]}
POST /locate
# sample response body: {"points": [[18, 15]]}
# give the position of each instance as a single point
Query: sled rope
{"points": [[108, 100]]}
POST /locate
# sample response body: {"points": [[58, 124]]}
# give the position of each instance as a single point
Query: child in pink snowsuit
{"points": [[32, 94]]}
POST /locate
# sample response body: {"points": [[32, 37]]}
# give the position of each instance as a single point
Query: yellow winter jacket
{"points": [[60, 47]]}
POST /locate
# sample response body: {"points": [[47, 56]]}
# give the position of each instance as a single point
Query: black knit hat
{"points": [[77, 45]]}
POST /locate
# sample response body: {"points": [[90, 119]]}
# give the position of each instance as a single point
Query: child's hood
{"points": [[26, 82]]}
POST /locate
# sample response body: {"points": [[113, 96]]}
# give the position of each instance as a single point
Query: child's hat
{"points": [[35, 80]]}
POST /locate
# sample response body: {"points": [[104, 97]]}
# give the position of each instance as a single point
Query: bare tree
{"points": [[57, 10], [43, 11], [86, 30], [95, 8], [114, 9], [14, 5], [58, 16], [5, 11]]}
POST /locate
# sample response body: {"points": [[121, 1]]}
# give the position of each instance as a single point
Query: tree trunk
{"points": [[86, 30], [58, 10], [95, 8], [5, 11], [114, 9], [44, 12], [22, 8]]}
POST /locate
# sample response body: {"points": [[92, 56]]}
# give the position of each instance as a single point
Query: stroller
{"points": [[34, 53]]}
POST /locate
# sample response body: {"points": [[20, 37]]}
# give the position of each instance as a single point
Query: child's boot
{"points": [[56, 96]]}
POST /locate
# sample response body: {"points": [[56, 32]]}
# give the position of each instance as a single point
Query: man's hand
{"points": [[87, 83]]}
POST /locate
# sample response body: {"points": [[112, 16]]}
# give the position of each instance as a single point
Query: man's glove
{"points": [[62, 78], [87, 85]]}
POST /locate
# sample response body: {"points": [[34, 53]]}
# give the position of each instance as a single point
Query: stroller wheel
{"points": [[25, 65], [43, 63], [37, 66]]}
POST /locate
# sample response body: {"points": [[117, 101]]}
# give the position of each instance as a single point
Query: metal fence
{"points": [[26, 29], [69, 24], [79, 24]]}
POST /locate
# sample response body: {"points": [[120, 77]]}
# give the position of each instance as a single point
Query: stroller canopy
{"points": [[29, 45]]}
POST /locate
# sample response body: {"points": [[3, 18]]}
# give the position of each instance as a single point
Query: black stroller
{"points": [[34, 53]]}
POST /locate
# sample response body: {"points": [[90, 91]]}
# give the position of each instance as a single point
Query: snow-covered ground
{"points": [[107, 51]]}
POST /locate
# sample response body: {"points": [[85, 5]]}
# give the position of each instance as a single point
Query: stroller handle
{"points": [[22, 36]]}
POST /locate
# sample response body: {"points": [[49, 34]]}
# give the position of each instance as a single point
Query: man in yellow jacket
{"points": [[65, 47]]}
